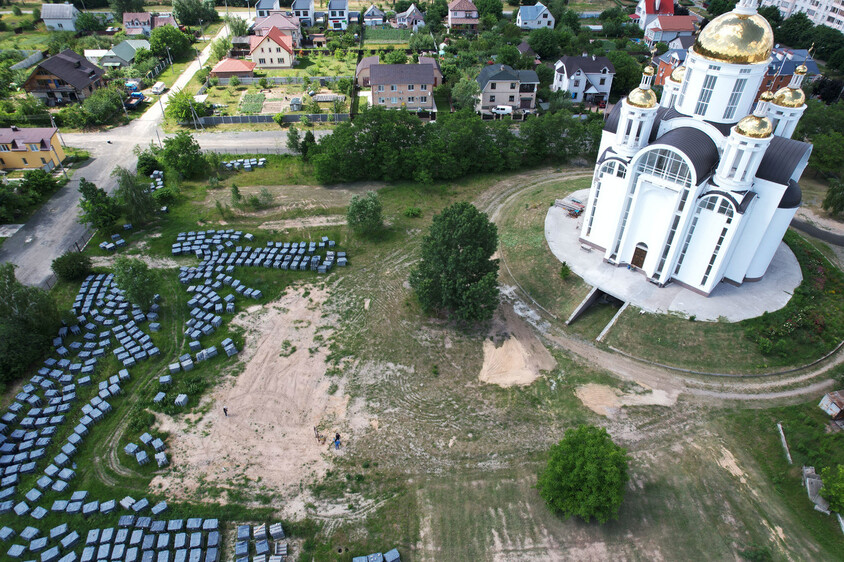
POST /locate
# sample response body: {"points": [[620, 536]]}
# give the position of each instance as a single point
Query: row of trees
{"points": [[17, 197], [381, 144]]}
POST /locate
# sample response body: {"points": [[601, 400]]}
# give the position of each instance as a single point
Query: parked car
{"points": [[502, 110], [602, 104], [159, 88]]}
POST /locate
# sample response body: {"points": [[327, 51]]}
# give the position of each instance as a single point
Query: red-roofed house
{"points": [[142, 23], [648, 10], [228, 67], [462, 16], [287, 25], [665, 28], [272, 50]]}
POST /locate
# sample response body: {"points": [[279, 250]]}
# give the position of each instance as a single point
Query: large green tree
{"points": [[119, 7], [136, 279], [489, 7], [457, 274], [238, 26], [181, 106], [183, 154], [364, 214], [828, 152], [102, 105], [834, 200], [585, 475], [37, 183], [28, 322], [465, 93], [545, 42], [833, 487], [628, 73], [98, 209], [88, 21], [134, 196], [191, 12], [168, 36]]}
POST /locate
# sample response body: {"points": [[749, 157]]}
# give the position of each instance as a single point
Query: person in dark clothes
{"points": [[225, 411]]}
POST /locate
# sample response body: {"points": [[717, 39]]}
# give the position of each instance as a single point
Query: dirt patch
{"points": [[273, 405], [305, 222], [608, 401], [728, 463], [154, 263], [513, 355], [822, 221]]}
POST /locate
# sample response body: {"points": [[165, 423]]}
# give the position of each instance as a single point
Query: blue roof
{"points": [[531, 12], [666, 56], [267, 5], [798, 57]]}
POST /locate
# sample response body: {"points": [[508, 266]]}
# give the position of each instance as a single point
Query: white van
{"points": [[502, 110], [159, 88]]}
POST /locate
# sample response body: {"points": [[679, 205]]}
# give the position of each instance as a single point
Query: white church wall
{"points": [[770, 242], [604, 211], [707, 230], [649, 221]]}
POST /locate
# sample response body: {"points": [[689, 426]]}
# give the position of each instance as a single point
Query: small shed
{"points": [[318, 39], [296, 104], [833, 404]]}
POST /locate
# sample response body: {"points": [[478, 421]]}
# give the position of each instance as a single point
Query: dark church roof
{"points": [[781, 159], [696, 145], [792, 196]]}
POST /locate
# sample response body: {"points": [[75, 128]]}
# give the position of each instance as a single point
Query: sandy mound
{"points": [[273, 407], [520, 358], [154, 263], [304, 222], [606, 401]]}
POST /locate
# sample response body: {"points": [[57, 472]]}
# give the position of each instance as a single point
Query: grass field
{"points": [[319, 65]]}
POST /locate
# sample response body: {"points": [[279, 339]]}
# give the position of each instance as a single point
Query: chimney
{"points": [[593, 57], [77, 64], [15, 128]]}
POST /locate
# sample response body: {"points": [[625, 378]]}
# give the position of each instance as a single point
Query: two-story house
{"points": [[588, 79], [412, 18], [287, 25], [462, 16], [59, 17], [667, 28], [142, 23], [30, 148], [666, 64], [338, 14], [304, 10], [403, 86], [784, 61], [123, 54], [535, 17], [264, 7], [501, 85], [648, 10], [373, 16], [362, 71], [63, 78], [272, 50]]}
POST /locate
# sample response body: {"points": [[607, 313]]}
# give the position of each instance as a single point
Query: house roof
{"points": [[432, 61], [59, 11], [532, 12], [234, 65], [373, 12], [781, 158], [278, 20], [161, 21], [126, 49], [523, 48], [338, 4], [412, 10], [696, 145], [685, 41], [589, 65], [667, 55], [463, 5], [365, 63], [666, 7], [675, 23], [504, 72], [267, 5], [73, 68], [19, 137], [302, 4], [273, 34], [142, 17], [790, 59], [384, 74]]}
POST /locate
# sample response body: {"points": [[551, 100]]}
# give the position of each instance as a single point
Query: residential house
{"points": [[65, 77], [272, 50], [833, 404], [264, 7], [364, 67], [229, 67], [667, 28], [373, 16], [534, 17], [820, 12], [403, 86], [648, 10], [781, 69], [142, 23], [338, 14], [123, 54], [287, 25], [304, 10], [682, 42], [30, 148], [666, 64], [95, 55], [412, 18], [501, 85], [438, 73], [59, 17], [462, 16], [588, 78]]}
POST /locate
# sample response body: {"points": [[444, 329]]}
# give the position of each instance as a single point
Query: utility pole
{"points": [[53, 123], [53, 148], [159, 139]]}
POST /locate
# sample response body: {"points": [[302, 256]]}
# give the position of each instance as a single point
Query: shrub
{"points": [[413, 212], [165, 196], [364, 215], [234, 81], [263, 82], [565, 271], [147, 163], [72, 266], [213, 81]]}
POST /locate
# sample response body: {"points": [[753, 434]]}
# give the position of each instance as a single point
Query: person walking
{"points": [[336, 441], [225, 411]]}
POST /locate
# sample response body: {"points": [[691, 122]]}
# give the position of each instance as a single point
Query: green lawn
{"points": [[319, 65]]}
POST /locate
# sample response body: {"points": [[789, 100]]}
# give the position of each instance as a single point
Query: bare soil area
{"points": [[607, 401], [513, 355], [274, 405], [305, 222], [820, 219], [153, 262]]}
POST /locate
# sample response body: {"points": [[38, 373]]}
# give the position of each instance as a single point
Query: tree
{"points": [[98, 209], [308, 143], [828, 152], [102, 105], [191, 12], [364, 214], [28, 322], [136, 280], [509, 55], [489, 8], [395, 57], [238, 27], [183, 154], [796, 30], [465, 93], [294, 143], [456, 274], [834, 200], [147, 163], [220, 48], [628, 73], [234, 82], [134, 196], [37, 183], [833, 486], [422, 42], [119, 7], [770, 13], [168, 36], [586, 475], [182, 106], [72, 266], [718, 7], [88, 21], [544, 42]]}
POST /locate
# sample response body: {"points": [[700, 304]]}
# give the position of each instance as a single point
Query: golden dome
{"points": [[642, 98], [755, 127], [677, 74], [736, 38], [649, 71], [767, 96], [802, 70], [789, 97]]}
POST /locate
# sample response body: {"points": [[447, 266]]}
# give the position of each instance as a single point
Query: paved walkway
{"points": [[727, 301]]}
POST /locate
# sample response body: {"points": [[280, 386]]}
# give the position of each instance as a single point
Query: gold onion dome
{"points": [[642, 98], [677, 74], [789, 97], [649, 71], [736, 38], [801, 70]]}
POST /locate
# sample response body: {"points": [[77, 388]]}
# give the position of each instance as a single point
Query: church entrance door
{"points": [[639, 256]]}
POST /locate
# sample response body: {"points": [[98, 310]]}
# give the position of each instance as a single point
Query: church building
{"points": [[699, 186]]}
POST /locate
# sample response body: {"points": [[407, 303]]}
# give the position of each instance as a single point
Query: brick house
{"points": [[403, 86], [272, 50], [501, 85]]}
